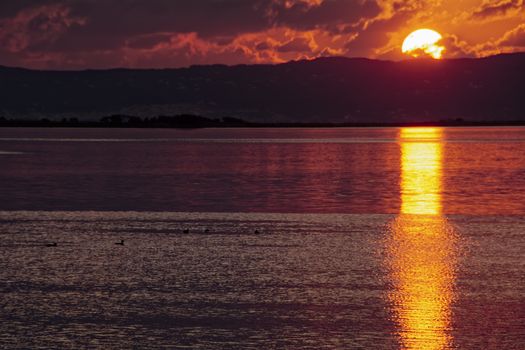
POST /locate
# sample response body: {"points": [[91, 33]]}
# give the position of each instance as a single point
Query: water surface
{"points": [[256, 170], [377, 238]]}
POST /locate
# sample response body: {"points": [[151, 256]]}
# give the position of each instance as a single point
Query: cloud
{"points": [[71, 33], [296, 45], [327, 14], [291, 3], [456, 48], [511, 41], [496, 9], [148, 41], [36, 26], [514, 37]]}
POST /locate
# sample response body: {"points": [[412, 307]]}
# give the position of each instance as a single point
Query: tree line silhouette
{"points": [[191, 121], [122, 120]]}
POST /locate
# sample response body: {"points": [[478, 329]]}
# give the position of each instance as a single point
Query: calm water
{"points": [[377, 238]]}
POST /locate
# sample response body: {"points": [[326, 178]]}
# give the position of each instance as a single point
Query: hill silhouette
{"points": [[327, 90]]}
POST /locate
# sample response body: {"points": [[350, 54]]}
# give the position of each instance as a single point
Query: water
{"points": [[377, 238]]}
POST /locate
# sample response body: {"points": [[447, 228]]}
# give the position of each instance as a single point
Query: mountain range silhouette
{"points": [[331, 90]]}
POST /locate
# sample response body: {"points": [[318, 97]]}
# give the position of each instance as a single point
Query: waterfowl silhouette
{"points": [[120, 243], [186, 231], [256, 232], [54, 244], [206, 231]]}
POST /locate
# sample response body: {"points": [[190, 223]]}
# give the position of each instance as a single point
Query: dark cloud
{"points": [[515, 37], [496, 8], [376, 34], [262, 46], [35, 26], [148, 41], [11, 8], [74, 31], [455, 47], [323, 14], [296, 45], [111, 23]]}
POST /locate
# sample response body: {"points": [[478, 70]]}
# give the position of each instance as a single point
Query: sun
{"points": [[423, 42]]}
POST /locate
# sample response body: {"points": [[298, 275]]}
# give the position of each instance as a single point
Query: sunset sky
{"points": [[78, 34]]}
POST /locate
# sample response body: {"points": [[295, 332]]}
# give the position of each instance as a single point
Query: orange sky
{"points": [[72, 34]]}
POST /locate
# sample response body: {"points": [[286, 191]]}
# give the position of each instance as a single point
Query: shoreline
{"points": [[247, 125]]}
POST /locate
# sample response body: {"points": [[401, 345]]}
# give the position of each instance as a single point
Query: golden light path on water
{"points": [[421, 172], [422, 245]]}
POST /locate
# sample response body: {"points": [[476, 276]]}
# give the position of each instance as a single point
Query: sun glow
{"points": [[423, 42]]}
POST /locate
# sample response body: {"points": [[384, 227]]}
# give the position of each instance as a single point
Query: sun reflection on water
{"points": [[422, 245], [421, 171]]}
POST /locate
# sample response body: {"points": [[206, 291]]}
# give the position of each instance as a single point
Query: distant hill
{"points": [[323, 90]]}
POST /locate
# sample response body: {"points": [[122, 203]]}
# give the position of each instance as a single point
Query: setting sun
{"points": [[423, 42]]}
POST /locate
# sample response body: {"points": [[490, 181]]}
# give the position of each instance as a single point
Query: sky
{"points": [[81, 34]]}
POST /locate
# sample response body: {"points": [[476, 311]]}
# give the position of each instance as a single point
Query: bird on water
{"points": [[54, 244], [120, 243]]}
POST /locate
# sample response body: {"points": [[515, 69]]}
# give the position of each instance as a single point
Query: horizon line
{"points": [[408, 59]]}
